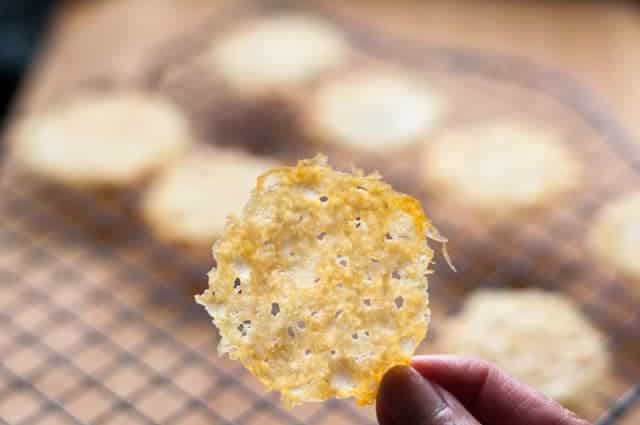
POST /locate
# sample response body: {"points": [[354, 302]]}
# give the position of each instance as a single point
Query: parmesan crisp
{"points": [[321, 282]]}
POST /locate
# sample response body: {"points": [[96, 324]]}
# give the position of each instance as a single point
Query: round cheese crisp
{"points": [[540, 338], [278, 51], [501, 166], [321, 282], [615, 235], [373, 110], [103, 139], [189, 202]]}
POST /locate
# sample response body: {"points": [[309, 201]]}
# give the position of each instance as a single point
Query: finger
{"points": [[490, 394], [406, 398]]}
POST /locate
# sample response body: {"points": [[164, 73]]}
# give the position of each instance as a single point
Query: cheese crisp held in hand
{"points": [[321, 282]]}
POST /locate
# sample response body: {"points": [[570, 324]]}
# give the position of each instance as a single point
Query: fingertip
{"points": [[406, 398], [393, 381], [394, 378]]}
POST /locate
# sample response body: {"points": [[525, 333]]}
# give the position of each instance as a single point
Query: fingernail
{"points": [[406, 398]]}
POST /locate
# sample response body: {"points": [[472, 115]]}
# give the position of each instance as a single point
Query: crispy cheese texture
{"points": [[321, 282]]}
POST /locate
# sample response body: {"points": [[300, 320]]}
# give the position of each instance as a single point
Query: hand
{"points": [[453, 390]]}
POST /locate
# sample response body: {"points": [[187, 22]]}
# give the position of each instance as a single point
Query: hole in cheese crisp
{"points": [[333, 300], [399, 301]]}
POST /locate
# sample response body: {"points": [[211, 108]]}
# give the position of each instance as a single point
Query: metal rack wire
{"points": [[97, 323]]}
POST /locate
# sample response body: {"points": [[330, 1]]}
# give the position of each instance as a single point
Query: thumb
{"points": [[406, 398]]}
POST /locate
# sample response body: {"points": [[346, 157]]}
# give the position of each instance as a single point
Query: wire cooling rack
{"points": [[97, 320]]}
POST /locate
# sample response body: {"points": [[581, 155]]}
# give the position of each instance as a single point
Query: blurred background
{"points": [[133, 127], [23, 26]]}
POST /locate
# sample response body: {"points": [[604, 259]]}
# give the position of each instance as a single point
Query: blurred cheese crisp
{"points": [[189, 202], [501, 167], [103, 139], [615, 235], [373, 111], [538, 337], [278, 52], [321, 282]]}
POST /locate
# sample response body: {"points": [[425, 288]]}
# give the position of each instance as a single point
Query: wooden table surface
{"points": [[594, 42]]}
